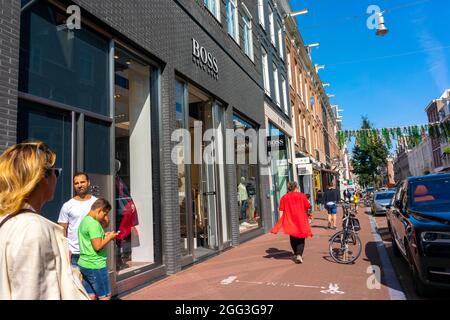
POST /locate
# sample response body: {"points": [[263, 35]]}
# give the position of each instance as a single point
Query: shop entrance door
{"points": [[202, 176]]}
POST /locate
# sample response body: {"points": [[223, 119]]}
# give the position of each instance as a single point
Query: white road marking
{"points": [[332, 289]]}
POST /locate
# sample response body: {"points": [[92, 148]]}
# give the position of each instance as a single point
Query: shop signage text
{"points": [[305, 169], [276, 142], [304, 160], [205, 59]]}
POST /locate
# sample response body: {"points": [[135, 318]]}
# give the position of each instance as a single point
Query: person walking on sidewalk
{"points": [[73, 211], [93, 256], [294, 220], [331, 198], [34, 255]]}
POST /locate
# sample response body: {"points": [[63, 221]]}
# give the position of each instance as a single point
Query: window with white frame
{"points": [[214, 7], [271, 25], [232, 19], [276, 85], [284, 92], [265, 67], [280, 41], [247, 36], [261, 13]]}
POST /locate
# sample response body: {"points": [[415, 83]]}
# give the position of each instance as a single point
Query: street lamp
{"points": [[312, 45], [331, 95], [381, 29], [318, 67], [325, 84], [298, 13]]}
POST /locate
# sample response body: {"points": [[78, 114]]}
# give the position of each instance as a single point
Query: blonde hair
{"points": [[22, 167]]}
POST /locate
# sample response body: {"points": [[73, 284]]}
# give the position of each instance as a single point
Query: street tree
{"points": [[369, 159]]}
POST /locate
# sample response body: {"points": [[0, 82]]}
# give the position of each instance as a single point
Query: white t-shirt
{"points": [[72, 212]]}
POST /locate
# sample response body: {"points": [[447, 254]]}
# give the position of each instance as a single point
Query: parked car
{"points": [[419, 223], [382, 201]]}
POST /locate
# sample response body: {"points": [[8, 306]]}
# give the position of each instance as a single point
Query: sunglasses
{"points": [[57, 171]]}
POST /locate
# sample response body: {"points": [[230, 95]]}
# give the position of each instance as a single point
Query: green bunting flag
{"points": [[412, 135]]}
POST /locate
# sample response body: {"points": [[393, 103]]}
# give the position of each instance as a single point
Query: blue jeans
{"points": [[96, 281]]}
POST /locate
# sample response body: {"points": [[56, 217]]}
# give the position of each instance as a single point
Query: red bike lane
{"points": [[262, 269]]}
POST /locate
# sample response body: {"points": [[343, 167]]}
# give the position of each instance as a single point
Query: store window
{"points": [[133, 164], [247, 175], [280, 164], [71, 67], [38, 122]]}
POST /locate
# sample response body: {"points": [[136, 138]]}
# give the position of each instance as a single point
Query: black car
{"points": [[419, 223]]}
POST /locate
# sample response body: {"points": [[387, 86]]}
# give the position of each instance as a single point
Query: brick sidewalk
{"points": [[262, 269]]}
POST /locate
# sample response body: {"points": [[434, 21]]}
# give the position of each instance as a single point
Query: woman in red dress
{"points": [[294, 219]]}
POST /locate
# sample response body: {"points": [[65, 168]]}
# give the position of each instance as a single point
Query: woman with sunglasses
{"points": [[34, 260]]}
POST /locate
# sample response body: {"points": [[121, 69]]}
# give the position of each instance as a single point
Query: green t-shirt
{"points": [[89, 258]]}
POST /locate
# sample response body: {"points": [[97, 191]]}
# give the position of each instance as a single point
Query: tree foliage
{"points": [[369, 159]]}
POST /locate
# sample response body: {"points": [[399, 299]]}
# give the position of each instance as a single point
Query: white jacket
{"points": [[34, 261]]}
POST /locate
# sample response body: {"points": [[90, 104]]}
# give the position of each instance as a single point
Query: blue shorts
{"points": [[331, 209], [96, 281]]}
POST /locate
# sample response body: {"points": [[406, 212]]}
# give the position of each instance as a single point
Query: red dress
{"points": [[294, 220]]}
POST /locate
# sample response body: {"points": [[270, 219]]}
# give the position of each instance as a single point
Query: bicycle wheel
{"points": [[345, 247]]}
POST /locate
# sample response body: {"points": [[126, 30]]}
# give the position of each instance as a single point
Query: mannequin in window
{"points": [[251, 192], [243, 197]]}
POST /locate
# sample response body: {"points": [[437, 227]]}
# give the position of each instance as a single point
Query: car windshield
{"points": [[431, 195], [384, 196]]}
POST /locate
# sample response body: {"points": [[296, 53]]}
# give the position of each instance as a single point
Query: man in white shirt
{"points": [[73, 211]]}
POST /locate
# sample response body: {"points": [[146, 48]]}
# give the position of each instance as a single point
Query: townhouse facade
{"points": [[318, 158]]}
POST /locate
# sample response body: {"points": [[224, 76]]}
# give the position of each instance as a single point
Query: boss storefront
{"points": [[108, 102]]}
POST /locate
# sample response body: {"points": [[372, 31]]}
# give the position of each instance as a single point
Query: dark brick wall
{"points": [[164, 30], [9, 70]]}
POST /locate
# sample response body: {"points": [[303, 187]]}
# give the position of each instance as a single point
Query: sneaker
{"points": [[295, 259], [299, 258], [334, 228], [329, 225]]}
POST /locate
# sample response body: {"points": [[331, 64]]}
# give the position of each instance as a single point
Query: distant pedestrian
{"points": [[34, 260], [93, 256], [294, 220], [73, 211], [320, 199], [331, 198], [310, 216]]}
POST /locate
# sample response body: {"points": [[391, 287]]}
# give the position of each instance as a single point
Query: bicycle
{"points": [[345, 245]]}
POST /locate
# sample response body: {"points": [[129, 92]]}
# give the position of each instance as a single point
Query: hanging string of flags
{"points": [[410, 135]]}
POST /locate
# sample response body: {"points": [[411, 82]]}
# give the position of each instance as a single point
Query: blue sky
{"points": [[390, 79]]}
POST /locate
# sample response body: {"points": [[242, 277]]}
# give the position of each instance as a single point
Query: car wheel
{"points": [[421, 288]]}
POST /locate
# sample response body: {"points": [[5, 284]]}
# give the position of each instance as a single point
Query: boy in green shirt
{"points": [[93, 241]]}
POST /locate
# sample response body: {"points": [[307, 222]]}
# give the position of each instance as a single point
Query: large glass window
{"points": [[37, 122], [232, 19], [180, 106], [248, 36], [68, 66], [96, 146], [247, 176], [133, 163], [280, 165]]}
